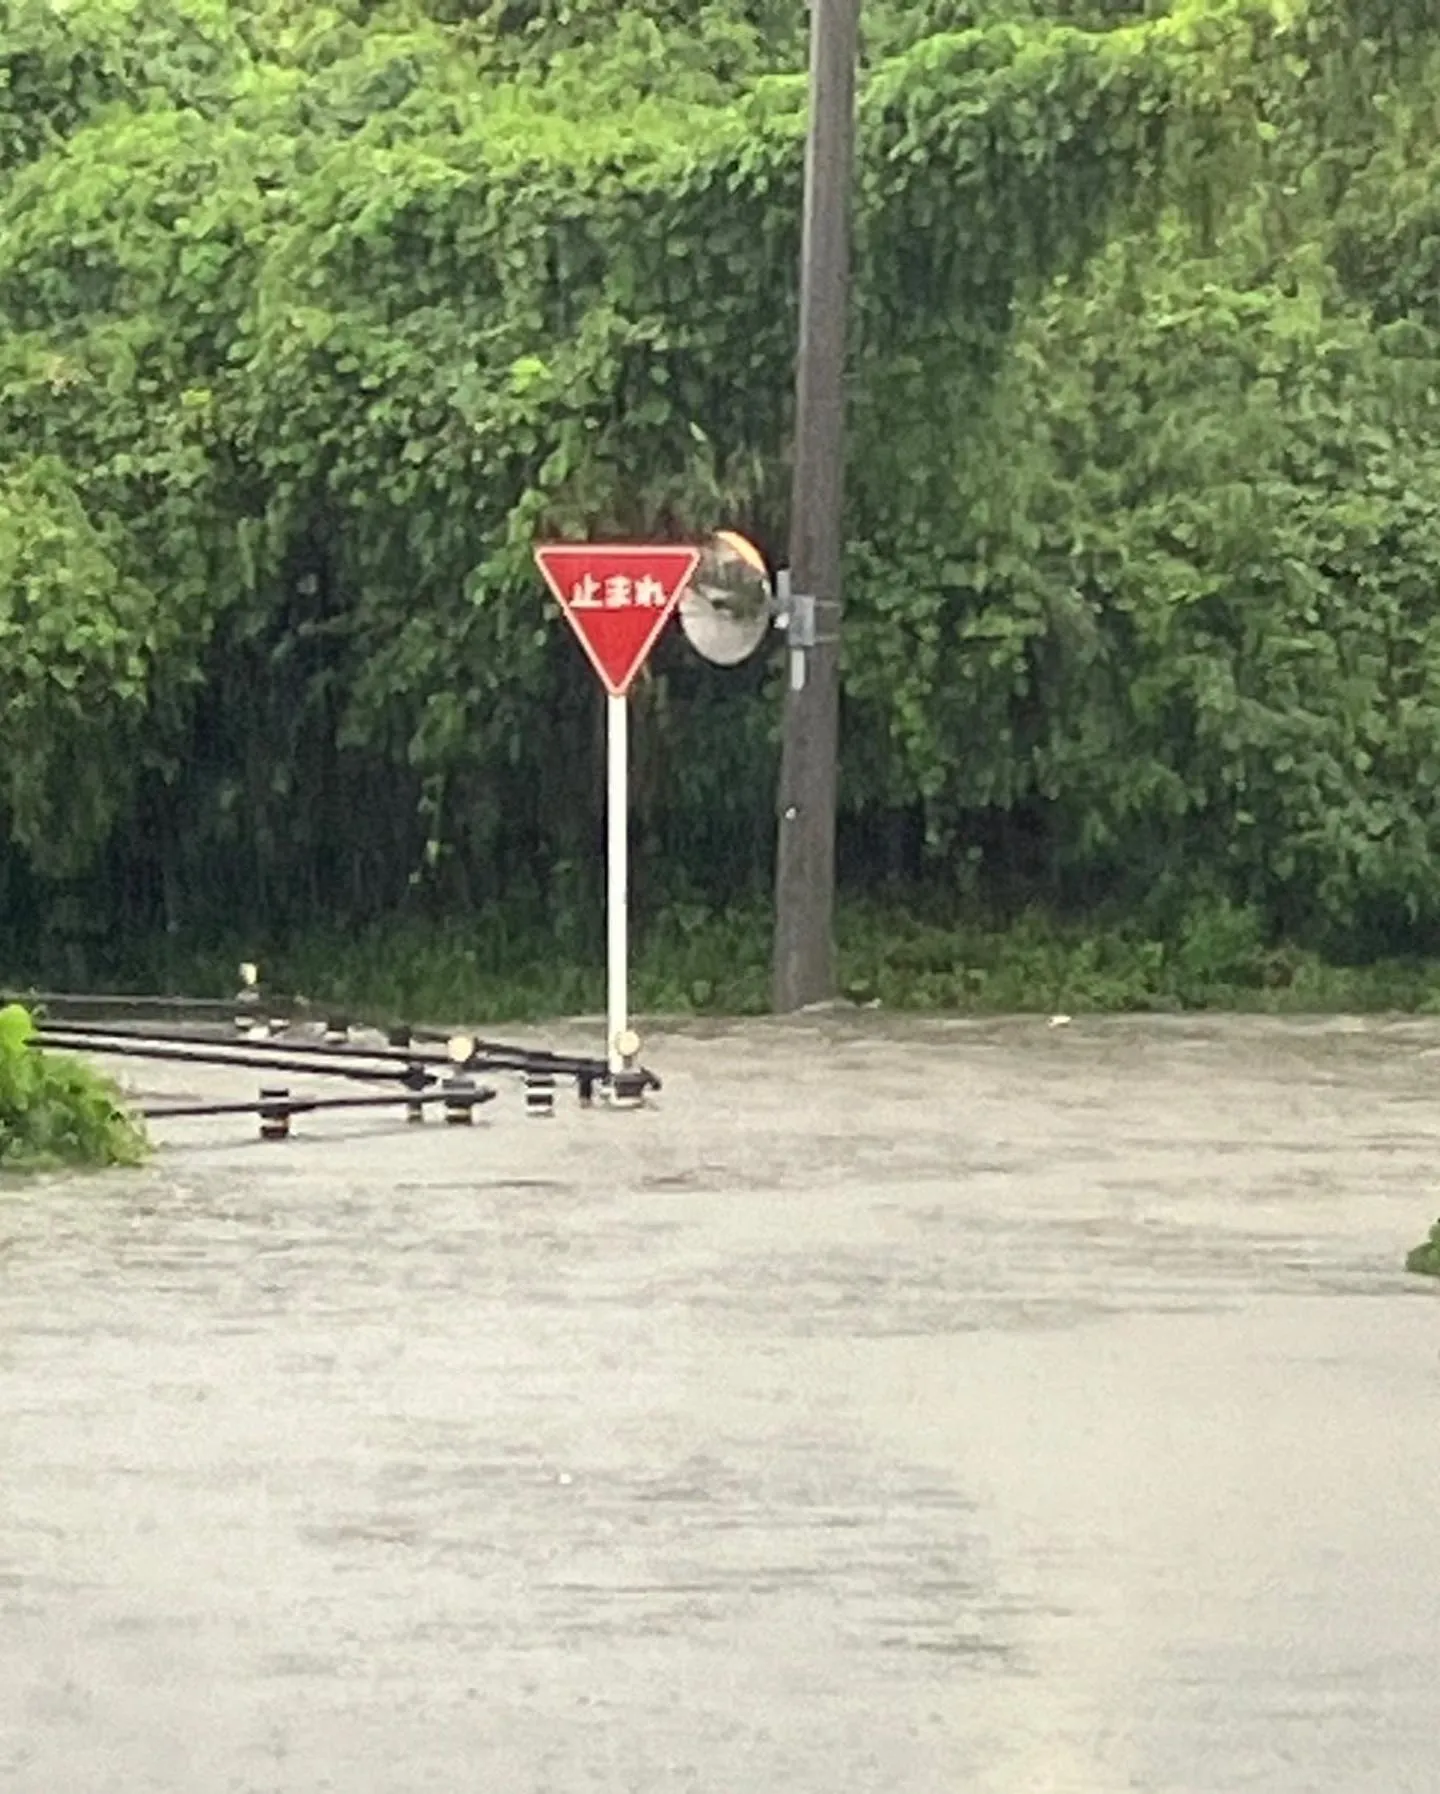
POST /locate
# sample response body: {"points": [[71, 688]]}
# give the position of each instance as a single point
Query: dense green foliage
{"points": [[313, 316], [56, 1111]]}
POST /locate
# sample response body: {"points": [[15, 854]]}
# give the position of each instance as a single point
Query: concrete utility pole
{"points": [[804, 964]]}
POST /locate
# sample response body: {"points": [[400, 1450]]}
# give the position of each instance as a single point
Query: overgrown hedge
{"points": [[312, 317]]}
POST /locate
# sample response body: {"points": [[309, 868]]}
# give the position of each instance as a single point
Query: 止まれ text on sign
{"points": [[618, 592]]}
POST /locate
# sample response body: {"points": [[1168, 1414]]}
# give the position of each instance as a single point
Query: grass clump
{"points": [[1424, 1261], [55, 1111]]}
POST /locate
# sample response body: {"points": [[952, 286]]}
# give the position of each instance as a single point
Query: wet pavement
{"points": [[945, 1409]]}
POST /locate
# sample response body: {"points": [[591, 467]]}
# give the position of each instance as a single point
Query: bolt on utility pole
{"points": [[804, 961]]}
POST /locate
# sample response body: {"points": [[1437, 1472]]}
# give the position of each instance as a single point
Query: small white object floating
{"points": [[1058, 1021]]}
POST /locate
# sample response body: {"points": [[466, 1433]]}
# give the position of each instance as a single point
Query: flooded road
{"points": [[944, 1409]]}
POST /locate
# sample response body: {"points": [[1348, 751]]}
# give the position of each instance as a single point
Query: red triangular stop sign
{"points": [[618, 597]]}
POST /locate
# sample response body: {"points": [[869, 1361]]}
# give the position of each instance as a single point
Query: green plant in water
{"points": [[1424, 1261], [56, 1111]]}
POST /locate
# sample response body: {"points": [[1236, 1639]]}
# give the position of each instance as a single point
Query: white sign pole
{"points": [[617, 879]]}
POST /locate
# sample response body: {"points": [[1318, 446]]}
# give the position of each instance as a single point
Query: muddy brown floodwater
{"points": [[941, 1409]]}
